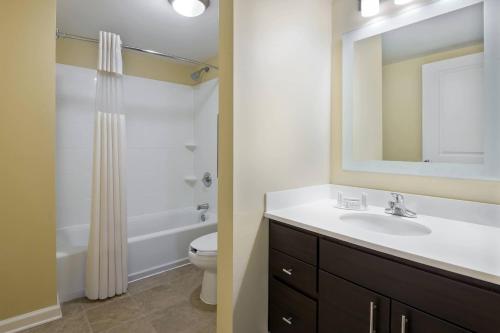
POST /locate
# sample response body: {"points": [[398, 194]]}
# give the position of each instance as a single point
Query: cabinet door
{"points": [[405, 319], [347, 308]]}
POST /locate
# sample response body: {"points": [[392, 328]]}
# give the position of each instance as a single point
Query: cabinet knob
{"points": [[404, 321], [287, 271], [288, 320], [373, 307]]}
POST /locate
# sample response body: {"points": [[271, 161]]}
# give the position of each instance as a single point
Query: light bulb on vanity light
{"points": [[402, 2], [370, 7]]}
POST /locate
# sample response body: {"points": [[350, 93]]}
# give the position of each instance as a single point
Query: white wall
{"points": [[282, 73], [75, 96], [206, 101], [160, 121]]}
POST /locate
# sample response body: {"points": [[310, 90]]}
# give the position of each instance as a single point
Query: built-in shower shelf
{"points": [[191, 180], [191, 146]]}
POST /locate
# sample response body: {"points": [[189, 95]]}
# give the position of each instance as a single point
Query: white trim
{"points": [[158, 270], [31, 319], [132, 277]]}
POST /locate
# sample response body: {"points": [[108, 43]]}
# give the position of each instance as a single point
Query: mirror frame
{"points": [[491, 168]]}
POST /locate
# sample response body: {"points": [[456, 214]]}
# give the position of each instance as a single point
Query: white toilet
{"points": [[203, 254]]}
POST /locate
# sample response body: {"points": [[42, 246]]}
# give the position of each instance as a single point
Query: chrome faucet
{"points": [[397, 207], [203, 206]]}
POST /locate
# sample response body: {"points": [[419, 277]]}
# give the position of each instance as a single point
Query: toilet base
{"points": [[208, 293]]}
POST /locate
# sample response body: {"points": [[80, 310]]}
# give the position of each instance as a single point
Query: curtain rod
{"points": [[60, 34]]}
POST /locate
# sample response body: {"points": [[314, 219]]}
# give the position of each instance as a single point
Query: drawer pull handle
{"points": [[404, 321], [373, 307], [287, 271], [288, 320]]}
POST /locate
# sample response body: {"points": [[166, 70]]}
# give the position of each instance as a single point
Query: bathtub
{"points": [[156, 243]]}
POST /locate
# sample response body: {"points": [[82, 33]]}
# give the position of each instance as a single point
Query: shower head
{"points": [[196, 76]]}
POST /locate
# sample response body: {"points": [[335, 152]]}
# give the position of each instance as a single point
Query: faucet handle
{"points": [[398, 197], [203, 206]]}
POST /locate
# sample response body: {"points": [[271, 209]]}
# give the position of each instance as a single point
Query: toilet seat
{"points": [[205, 245]]}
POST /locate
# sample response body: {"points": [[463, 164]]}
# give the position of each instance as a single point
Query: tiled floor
{"points": [[165, 303]]}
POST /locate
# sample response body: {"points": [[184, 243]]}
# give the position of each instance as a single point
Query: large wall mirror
{"points": [[421, 92]]}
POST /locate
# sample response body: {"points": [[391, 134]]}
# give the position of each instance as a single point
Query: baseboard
{"points": [[157, 270], [31, 319]]}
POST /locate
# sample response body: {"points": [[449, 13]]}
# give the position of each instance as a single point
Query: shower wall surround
{"points": [[162, 118], [206, 107]]}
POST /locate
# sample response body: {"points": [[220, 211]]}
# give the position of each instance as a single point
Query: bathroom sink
{"points": [[392, 225]]}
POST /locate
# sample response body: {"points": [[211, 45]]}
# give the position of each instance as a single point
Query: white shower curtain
{"points": [[106, 274]]}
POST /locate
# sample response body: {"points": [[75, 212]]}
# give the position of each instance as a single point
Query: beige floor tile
{"points": [[197, 303], [182, 272], [141, 325], [158, 298], [87, 304], [72, 324], [166, 303], [205, 328], [145, 284], [181, 318], [113, 313], [71, 308], [162, 279], [188, 282]]}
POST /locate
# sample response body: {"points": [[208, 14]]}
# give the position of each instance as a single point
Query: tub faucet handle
{"points": [[203, 206]]}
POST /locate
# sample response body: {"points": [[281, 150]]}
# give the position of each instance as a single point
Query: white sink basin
{"points": [[386, 224]]}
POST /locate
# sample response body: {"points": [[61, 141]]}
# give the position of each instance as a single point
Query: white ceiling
{"points": [[149, 24], [459, 28]]}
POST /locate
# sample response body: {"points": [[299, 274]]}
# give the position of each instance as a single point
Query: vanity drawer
{"points": [[293, 271], [468, 306], [295, 243], [289, 310]]}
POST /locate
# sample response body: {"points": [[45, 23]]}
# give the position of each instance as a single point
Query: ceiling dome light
{"points": [[190, 8], [402, 2], [370, 7]]}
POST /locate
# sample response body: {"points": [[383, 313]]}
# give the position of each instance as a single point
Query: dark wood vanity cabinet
{"points": [[293, 274], [346, 307], [407, 319], [318, 284], [290, 311]]}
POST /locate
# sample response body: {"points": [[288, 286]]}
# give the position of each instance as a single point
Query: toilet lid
{"points": [[205, 245]]}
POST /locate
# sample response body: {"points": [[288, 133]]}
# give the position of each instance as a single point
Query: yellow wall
{"points": [[27, 140], [282, 55], [346, 17], [225, 172], [367, 100], [84, 54], [402, 104]]}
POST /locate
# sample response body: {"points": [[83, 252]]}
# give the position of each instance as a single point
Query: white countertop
{"points": [[462, 247]]}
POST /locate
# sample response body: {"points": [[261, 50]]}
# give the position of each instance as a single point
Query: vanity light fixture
{"points": [[370, 7], [190, 8], [402, 2]]}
